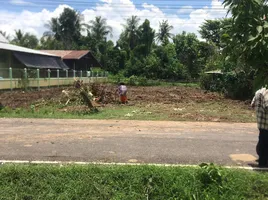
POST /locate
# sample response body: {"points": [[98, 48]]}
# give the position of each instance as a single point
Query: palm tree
{"points": [[18, 38], [164, 32], [25, 39], [5, 35], [99, 29], [132, 30], [66, 28]]}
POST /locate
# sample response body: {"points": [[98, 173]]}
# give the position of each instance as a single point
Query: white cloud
{"points": [[185, 9], [20, 2], [115, 11]]}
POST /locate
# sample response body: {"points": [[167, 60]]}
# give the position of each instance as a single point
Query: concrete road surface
{"points": [[128, 141]]}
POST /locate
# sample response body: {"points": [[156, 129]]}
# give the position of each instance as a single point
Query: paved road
{"points": [[127, 141]]}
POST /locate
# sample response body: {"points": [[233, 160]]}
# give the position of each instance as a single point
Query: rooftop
{"points": [[68, 54], [11, 47]]}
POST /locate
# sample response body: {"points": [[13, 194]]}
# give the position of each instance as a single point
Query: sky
{"points": [[184, 15]]}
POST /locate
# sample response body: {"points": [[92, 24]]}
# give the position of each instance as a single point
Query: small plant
{"points": [[32, 108], [211, 174]]}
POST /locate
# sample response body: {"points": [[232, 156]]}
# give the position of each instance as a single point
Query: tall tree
{"points": [[248, 37], [67, 28], [146, 36], [99, 29], [5, 35], [25, 39], [212, 30], [131, 31], [164, 34], [187, 52]]}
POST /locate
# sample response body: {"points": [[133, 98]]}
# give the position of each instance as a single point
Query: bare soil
{"points": [[165, 103], [136, 95]]}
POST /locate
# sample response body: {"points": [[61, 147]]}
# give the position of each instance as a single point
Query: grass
{"points": [[129, 182], [205, 111]]}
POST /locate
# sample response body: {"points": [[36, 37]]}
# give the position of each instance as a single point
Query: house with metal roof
{"points": [[16, 57], [77, 59]]}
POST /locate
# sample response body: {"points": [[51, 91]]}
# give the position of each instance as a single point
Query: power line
{"points": [[94, 4]]}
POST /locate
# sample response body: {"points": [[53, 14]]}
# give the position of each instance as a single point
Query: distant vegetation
{"points": [[237, 46]]}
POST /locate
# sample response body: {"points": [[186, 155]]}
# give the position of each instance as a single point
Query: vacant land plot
{"points": [[152, 103]]}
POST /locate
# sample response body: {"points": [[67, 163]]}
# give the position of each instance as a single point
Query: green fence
{"points": [[12, 78]]}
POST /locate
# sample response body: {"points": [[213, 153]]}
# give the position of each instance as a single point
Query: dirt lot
{"points": [[155, 94], [175, 102]]}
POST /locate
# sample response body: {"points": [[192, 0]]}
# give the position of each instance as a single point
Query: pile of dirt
{"points": [[105, 94]]}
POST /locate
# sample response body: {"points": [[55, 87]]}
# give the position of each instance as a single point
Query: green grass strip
{"points": [[129, 182]]}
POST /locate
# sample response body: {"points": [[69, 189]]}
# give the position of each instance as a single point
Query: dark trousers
{"points": [[262, 148]]}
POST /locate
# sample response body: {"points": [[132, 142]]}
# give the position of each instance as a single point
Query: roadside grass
{"points": [[205, 111], [130, 182]]}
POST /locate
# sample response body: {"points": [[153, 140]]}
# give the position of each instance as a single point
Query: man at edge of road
{"points": [[260, 103]]}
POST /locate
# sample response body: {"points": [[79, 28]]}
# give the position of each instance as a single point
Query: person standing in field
{"points": [[122, 91], [260, 103]]}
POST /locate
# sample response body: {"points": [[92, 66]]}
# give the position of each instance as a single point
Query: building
{"points": [[76, 60], [16, 57]]}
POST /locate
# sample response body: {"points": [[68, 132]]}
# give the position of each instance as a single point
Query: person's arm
{"points": [[253, 102]]}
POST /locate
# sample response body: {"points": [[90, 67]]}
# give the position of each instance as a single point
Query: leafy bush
{"points": [[233, 85], [237, 85], [212, 82]]}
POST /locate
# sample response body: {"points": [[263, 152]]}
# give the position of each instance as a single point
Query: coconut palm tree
{"points": [[5, 35], [98, 28], [25, 39], [132, 31], [164, 32]]}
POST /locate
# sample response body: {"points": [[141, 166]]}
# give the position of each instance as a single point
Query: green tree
{"points": [[187, 52], [25, 39], [164, 34], [212, 30], [247, 39], [131, 31], [67, 28], [50, 43], [99, 29], [116, 60], [146, 37], [5, 35]]}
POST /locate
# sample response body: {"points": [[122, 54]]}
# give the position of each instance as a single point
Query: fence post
{"points": [[38, 79], [66, 73], [48, 74], [26, 78], [11, 78], [58, 76], [81, 74], [74, 73]]}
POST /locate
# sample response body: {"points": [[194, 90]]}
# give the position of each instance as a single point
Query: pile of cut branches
{"points": [[80, 95]]}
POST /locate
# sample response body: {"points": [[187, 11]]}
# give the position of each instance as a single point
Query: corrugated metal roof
{"points": [[60, 53], [76, 55], [12, 47], [3, 39]]}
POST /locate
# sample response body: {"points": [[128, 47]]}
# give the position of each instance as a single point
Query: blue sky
{"points": [[184, 15], [167, 6]]}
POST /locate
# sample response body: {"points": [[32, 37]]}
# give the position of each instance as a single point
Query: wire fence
{"points": [[13, 78]]}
